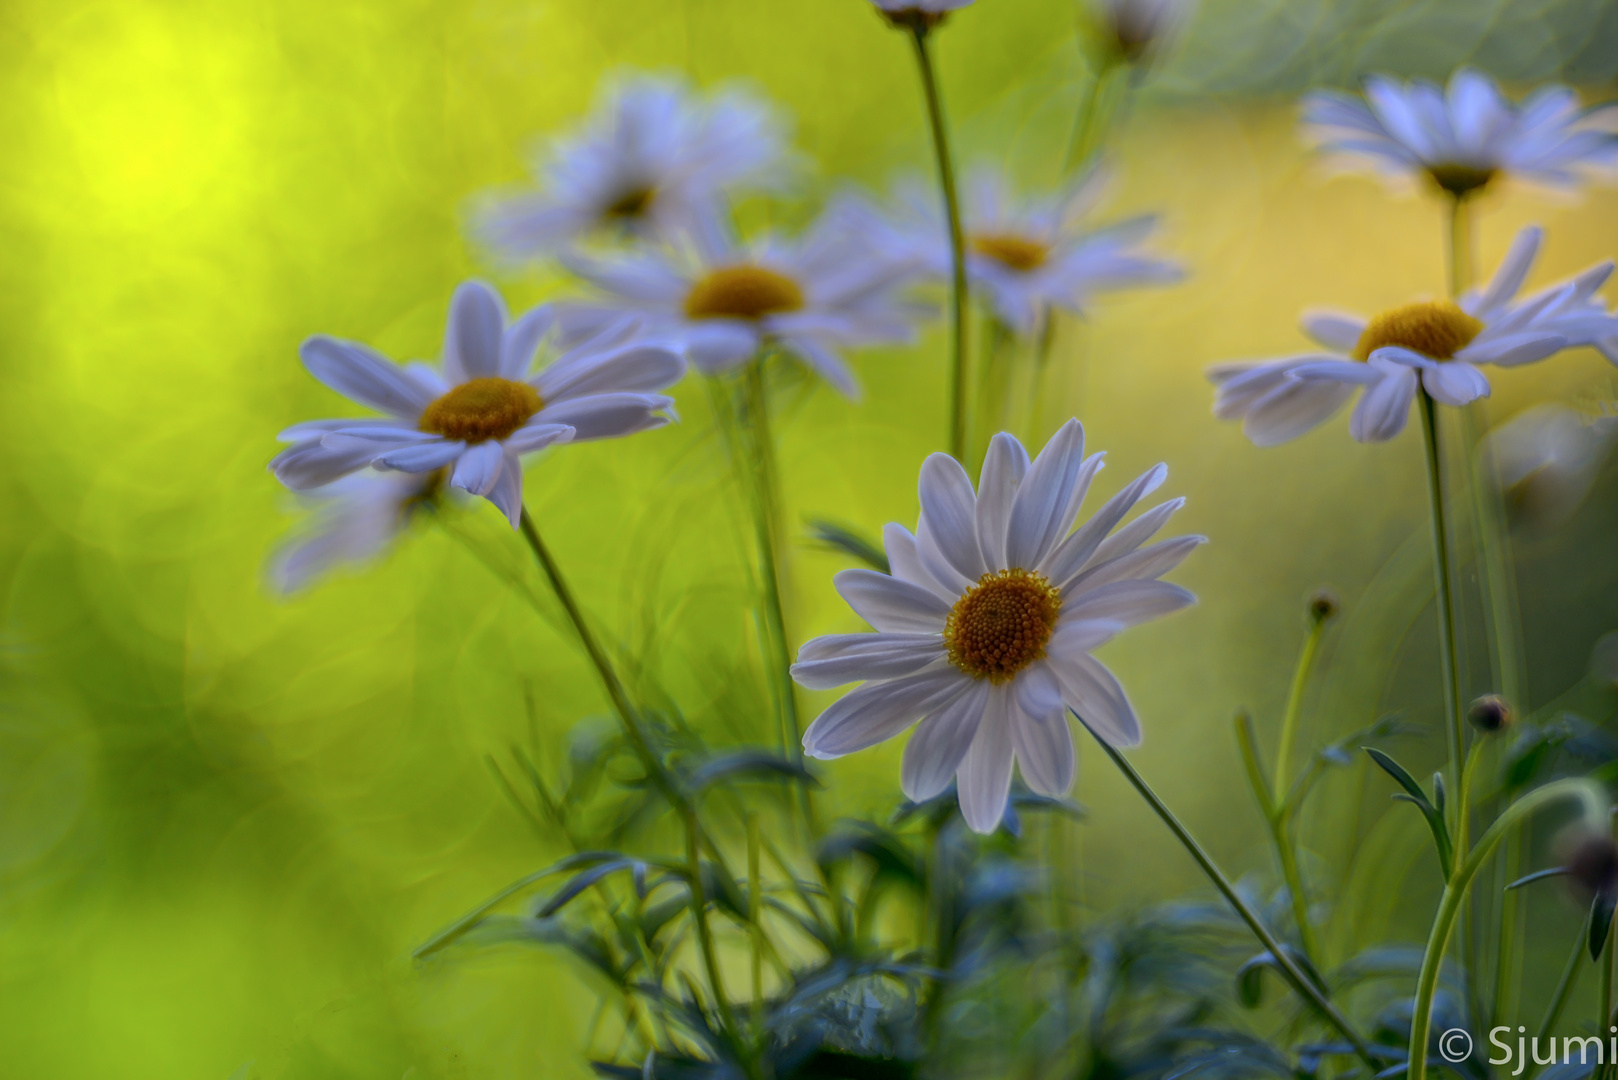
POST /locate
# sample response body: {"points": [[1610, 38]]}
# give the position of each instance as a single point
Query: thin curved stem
{"points": [[1448, 659], [1564, 987], [1294, 709], [1091, 122], [1294, 975], [957, 241], [1594, 801]]}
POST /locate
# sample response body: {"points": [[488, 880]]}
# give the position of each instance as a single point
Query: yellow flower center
{"points": [[1435, 328], [742, 292], [1460, 180], [481, 409], [631, 203], [1000, 625], [1017, 252]]}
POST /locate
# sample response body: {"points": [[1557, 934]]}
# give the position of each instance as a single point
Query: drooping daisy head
{"points": [[481, 410], [724, 302], [1025, 256], [1461, 140], [1132, 30], [985, 627], [918, 14], [653, 160], [354, 520], [1437, 345]]}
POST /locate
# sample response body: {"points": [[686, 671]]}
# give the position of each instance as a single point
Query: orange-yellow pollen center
{"points": [[1435, 328], [1000, 625], [1017, 252], [481, 409], [743, 292]]}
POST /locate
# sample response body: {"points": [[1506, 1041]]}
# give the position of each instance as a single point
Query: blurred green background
{"points": [[226, 819]]}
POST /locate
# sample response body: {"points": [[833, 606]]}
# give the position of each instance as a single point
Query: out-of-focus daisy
{"points": [[355, 519], [1130, 30], [477, 414], [1461, 140], [653, 160], [920, 13], [1434, 343], [1024, 256], [1547, 459], [723, 302], [985, 627]]}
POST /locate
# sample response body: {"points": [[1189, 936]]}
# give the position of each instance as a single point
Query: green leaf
{"points": [[748, 765], [1538, 875], [472, 918], [581, 882], [845, 539], [1249, 977], [1601, 909], [1438, 792], [1414, 794]]}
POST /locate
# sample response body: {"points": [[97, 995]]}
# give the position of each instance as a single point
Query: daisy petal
{"points": [[642, 368], [1513, 350], [1385, 406], [1294, 408], [311, 464], [536, 436], [607, 416], [365, 376], [1081, 635], [1455, 383], [1097, 699], [890, 604], [478, 469], [423, 458], [1148, 563], [1334, 330], [1039, 733], [1071, 555], [876, 712], [1343, 371], [903, 559], [1137, 532], [507, 491], [521, 341], [473, 337], [940, 742], [984, 778], [1004, 467], [837, 660], [1513, 271], [949, 511], [1043, 512], [1129, 602], [718, 345]]}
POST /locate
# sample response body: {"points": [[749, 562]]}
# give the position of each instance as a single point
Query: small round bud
{"points": [[1594, 863], [1490, 713], [1323, 605]]}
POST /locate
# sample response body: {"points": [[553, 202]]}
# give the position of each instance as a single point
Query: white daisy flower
{"points": [[355, 519], [1024, 256], [481, 411], [1437, 344], [1131, 29], [1547, 459], [924, 13], [722, 302], [653, 160], [1463, 139], [984, 629]]}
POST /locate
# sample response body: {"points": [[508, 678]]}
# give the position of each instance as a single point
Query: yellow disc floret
{"points": [[743, 292], [481, 409], [1436, 329], [1016, 252], [632, 202], [1000, 625]]}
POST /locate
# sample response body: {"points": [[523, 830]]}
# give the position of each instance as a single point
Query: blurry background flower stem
{"points": [[959, 373]]}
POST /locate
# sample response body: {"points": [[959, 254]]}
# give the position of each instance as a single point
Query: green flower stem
{"points": [[755, 915], [1294, 709], [1448, 659], [1594, 802], [957, 240], [1092, 121], [710, 959], [1294, 975]]}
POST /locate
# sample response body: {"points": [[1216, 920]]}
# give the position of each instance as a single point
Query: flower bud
{"points": [[1593, 863], [1323, 605], [1490, 713]]}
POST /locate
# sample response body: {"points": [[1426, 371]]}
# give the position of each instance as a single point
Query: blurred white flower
{"points": [[985, 627], [478, 414], [653, 160], [1438, 343], [1546, 459], [1132, 29], [1463, 139], [354, 519], [724, 302], [1024, 256]]}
